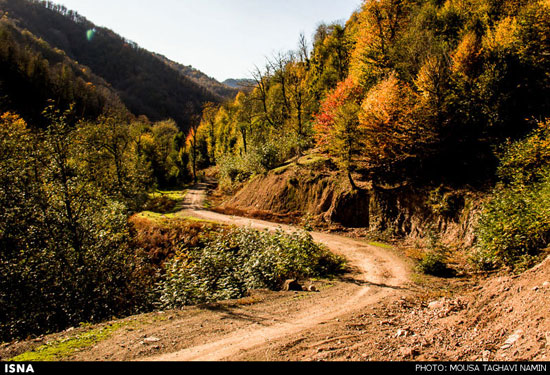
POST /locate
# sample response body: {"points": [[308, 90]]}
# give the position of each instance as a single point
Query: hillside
{"points": [[222, 90], [146, 84], [33, 73]]}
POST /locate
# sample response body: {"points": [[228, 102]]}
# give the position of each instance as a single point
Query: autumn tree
{"points": [[390, 121], [209, 124], [337, 125], [380, 23]]}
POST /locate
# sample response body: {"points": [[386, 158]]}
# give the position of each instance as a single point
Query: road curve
{"points": [[376, 273]]}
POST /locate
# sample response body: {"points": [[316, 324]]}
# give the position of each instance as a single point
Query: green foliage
{"points": [[64, 251], [435, 260], [526, 161], [237, 260], [259, 159], [515, 224]]}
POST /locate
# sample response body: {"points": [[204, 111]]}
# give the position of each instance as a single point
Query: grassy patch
{"points": [[283, 169], [176, 195], [155, 216], [380, 244], [62, 349], [166, 202], [159, 218], [312, 160]]}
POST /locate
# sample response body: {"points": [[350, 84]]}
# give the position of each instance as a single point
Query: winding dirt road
{"points": [[376, 274]]}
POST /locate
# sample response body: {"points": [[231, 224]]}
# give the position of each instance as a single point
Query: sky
{"points": [[222, 38]]}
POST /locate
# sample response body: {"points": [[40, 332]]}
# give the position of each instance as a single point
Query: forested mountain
{"points": [[223, 90], [33, 73], [146, 84]]}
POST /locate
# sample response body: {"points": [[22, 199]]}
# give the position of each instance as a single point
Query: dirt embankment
{"points": [[319, 194]]}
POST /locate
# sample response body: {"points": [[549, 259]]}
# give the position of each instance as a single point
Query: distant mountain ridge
{"points": [[245, 84], [147, 83], [223, 90]]}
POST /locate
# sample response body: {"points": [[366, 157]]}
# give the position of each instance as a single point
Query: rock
{"points": [[408, 352], [402, 333], [512, 339], [436, 304], [546, 284], [292, 285], [150, 340]]}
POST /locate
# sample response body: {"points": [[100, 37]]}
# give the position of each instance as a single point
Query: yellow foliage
{"points": [[467, 55], [504, 36], [10, 120]]}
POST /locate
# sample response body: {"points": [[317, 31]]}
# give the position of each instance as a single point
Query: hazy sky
{"points": [[222, 38]]}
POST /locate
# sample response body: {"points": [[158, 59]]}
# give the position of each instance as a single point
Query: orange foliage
{"points": [[467, 56], [389, 122], [346, 91]]}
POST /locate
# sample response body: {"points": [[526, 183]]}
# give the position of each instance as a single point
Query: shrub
{"points": [[238, 260], [260, 158], [434, 261], [514, 224]]}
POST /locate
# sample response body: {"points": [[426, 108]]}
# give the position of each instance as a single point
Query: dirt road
{"points": [[376, 274]]}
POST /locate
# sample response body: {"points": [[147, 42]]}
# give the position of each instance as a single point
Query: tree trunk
{"points": [[353, 185]]}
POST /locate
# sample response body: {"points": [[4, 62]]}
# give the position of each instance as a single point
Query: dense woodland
{"points": [[420, 91], [433, 93]]}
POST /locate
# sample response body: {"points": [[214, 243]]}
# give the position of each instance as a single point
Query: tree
{"points": [[209, 123], [348, 137], [381, 22], [193, 143], [337, 125], [113, 149], [391, 124]]}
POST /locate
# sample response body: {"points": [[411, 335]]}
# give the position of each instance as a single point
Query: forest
{"points": [[440, 95], [427, 93]]}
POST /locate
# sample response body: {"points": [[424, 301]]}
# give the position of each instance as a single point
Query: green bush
{"points": [[260, 158], [238, 260], [434, 262], [514, 224]]}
